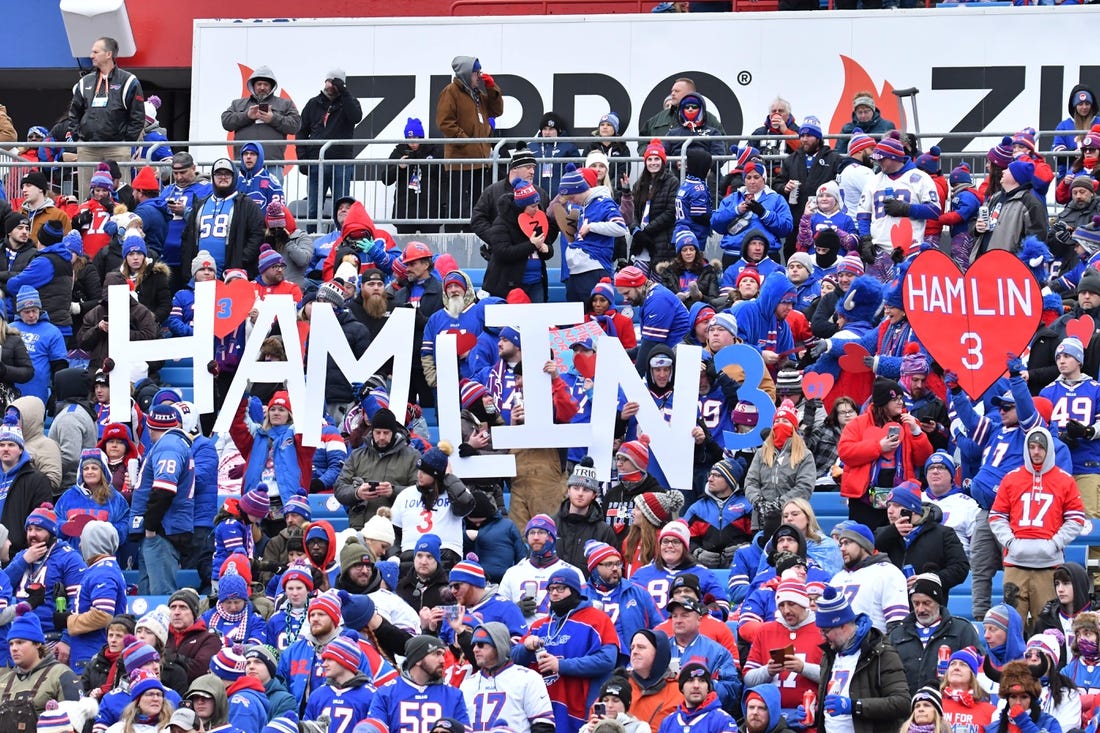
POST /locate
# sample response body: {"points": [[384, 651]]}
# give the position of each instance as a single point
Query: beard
{"points": [[375, 305], [224, 191], [455, 304]]}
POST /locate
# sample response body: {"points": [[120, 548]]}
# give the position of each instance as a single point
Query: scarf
{"points": [[545, 557], [963, 697], [926, 728], [295, 617], [1087, 650], [237, 634], [781, 433], [633, 477], [112, 671]]}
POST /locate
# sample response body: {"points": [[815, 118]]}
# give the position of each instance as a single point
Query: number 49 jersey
{"points": [[1078, 401], [514, 697]]}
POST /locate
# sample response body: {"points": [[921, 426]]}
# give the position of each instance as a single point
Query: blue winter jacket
{"points": [[629, 604], [249, 708], [329, 457], [205, 454], [776, 221], [182, 315], [257, 183], [757, 324], [499, 546], [287, 474], [605, 223], [154, 222]]}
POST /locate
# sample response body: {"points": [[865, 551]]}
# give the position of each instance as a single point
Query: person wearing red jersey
{"points": [[94, 213], [966, 706], [793, 637], [1037, 512]]}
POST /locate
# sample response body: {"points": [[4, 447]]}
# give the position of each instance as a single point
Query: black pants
{"points": [[863, 513], [463, 189]]}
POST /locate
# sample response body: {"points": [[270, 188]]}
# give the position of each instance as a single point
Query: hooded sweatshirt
{"points": [[256, 182], [45, 453], [1037, 512], [212, 686], [102, 592], [285, 118]]}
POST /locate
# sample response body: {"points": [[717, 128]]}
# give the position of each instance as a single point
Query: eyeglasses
{"points": [[670, 541], [690, 105], [611, 564], [279, 266], [1007, 407], [844, 413], [454, 586]]}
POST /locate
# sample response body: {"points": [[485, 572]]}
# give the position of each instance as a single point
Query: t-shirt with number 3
{"points": [[415, 521]]}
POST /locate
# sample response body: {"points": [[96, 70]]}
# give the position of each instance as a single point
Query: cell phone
{"points": [[265, 107], [599, 709], [906, 514], [372, 484], [894, 431]]}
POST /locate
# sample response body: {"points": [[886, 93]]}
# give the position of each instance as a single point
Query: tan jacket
{"points": [[458, 115], [59, 684], [7, 129]]}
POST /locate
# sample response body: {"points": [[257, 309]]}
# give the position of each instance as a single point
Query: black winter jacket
{"points": [[656, 235], [242, 245], [87, 288], [329, 119], [15, 362], [407, 203], [28, 490], [793, 168], [337, 388], [57, 294], [511, 249], [10, 268], [878, 690], [485, 210], [919, 659], [123, 117], [576, 529], [936, 544], [1049, 617]]}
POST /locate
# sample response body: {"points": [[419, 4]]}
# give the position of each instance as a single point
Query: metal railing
{"points": [[385, 185]]}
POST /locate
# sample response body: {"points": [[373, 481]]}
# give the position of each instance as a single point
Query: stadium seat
{"points": [[186, 578], [141, 605], [177, 376], [325, 506]]}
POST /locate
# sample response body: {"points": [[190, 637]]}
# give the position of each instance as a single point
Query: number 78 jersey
{"points": [[514, 697]]}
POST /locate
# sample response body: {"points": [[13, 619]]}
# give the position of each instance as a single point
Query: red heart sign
{"points": [[816, 386], [585, 364], [528, 223], [1081, 328], [232, 304], [852, 361], [464, 341], [901, 234], [969, 323]]}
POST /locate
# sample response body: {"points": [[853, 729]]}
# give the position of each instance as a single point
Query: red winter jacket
{"points": [[859, 449]]}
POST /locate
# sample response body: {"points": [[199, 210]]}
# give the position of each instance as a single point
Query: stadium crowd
{"points": [[551, 601]]}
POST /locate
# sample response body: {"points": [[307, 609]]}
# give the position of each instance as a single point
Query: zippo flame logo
{"points": [[291, 151], [856, 79]]}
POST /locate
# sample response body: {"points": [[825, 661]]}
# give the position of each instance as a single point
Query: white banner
{"points": [[580, 66]]}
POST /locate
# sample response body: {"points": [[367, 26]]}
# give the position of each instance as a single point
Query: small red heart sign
{"points": [[528, 223], [464, 341], [232, 304], [585, 364], [816, 386], [901, 234], [1081, 328], [969, 323], [852, 361]]}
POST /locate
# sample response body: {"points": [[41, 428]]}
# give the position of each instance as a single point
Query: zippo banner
{"points": [[583, 66]]}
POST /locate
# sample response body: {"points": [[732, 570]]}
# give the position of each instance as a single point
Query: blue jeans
{"points": [[160, 562], [336, 178]]}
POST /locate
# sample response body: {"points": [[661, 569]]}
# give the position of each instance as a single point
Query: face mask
{"points": [[1038, 669], [781, 433], [563, 606], [1086, 648], [1091, 161]]}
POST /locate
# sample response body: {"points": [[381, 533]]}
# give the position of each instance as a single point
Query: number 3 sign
{"points": [[970, 323]]}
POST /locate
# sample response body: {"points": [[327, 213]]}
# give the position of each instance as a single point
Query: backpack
{"points": [[19, 714]]}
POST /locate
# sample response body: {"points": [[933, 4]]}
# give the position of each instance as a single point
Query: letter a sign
{"points": [[970, 323]]}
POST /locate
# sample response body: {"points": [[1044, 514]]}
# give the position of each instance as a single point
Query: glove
{"points": [[236, 471], [75, 308], [894, 207], [83, 220], [36, 595], [339, 85], [1019, 715], [527, 605], [61, 620], [1015, 365], [757, 208], [867, 250], [819, 348], [897, 255], [489, 81], [640, 242], [465, 450], [317, 486], [1079, 430], [838, 705], [799, 716], [869, 362], [941, 667], [707, 558], [951, 381]]}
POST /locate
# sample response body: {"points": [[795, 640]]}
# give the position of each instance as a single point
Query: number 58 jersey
{"points": [[514, 697]]}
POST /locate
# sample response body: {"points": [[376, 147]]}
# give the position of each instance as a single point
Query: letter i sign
{"points": [[971, 322]]}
